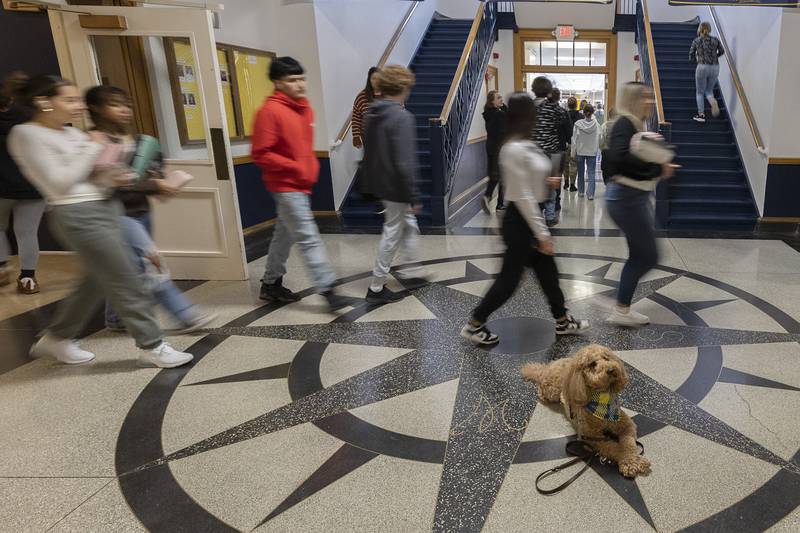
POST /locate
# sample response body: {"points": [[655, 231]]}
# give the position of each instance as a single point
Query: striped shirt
{"points": [[548, 120], [360, 107]]}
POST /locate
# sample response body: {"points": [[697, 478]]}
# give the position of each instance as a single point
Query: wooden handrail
{"points": [[651, 53], [462, 65], [748, 112], [382, 62]]}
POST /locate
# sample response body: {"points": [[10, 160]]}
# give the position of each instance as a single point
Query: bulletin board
{"points": [[185, 90], [226, 77], [252, 83]]}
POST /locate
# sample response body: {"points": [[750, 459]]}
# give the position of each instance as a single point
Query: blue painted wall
{"points": [[782, 197], [471, 168]]}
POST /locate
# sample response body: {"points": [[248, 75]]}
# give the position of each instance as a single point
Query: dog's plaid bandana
{"points": [[604, 406]]}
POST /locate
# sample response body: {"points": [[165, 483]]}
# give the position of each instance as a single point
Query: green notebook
{"points": [[148, 150]]}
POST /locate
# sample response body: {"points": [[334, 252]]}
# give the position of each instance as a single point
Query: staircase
{"points": [[434, 64], [711, 190]]}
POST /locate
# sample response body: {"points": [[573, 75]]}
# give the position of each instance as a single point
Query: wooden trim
{"points": [[324, 154], [139, 81], [462, 64], [770, 220], [233, 80], [12, 5], [601, 36], [476, 187], [242, 160], [103, 22], [784, 160], [495, 76], [477, 139], [651, 52]]}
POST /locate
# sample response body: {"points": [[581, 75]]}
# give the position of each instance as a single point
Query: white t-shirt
{"points": [[524, 170], [57, 162]]}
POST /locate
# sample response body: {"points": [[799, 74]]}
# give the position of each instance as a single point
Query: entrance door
{"points": [[199, 229]]}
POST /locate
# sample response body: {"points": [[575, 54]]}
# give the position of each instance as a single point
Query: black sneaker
{"points": [[501, 207], [566, 185], [699, 117], [384, 296], [573, 188], [479, 335], [276, 292], [571, 326], [335, 301]]}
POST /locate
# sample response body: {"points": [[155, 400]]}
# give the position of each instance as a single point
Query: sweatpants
{"points": [[27, 216], [521, 252], [400, 230], [92, 229]]}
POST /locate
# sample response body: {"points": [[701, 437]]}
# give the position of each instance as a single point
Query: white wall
{"points": [[505, 64], [539, 15], [626, 65], [784, 134]]}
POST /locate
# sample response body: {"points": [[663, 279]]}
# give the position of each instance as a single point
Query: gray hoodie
{"points": [[390, 152], [586, 137]]}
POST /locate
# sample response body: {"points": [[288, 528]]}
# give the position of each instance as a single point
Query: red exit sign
{"points": [[565, 33]]}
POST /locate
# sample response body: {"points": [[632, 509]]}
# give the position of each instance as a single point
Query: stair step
{"points": [[698, 220], [708, 149], [708, 162], [678, 112], [715, 190], [441, 49], [446, 40], [427, 110], [687, 124], [681, 137], [676, 75], [706, 175]]}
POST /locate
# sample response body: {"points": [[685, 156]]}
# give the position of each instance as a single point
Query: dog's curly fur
{"points": [[572, 380]]}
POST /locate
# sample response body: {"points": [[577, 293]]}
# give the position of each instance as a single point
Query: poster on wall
{"points": [[253, 84], [762, 3], [227, 91], [190, 90]]}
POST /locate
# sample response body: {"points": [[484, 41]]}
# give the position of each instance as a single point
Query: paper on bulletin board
{"points": [[227, 91], [190, 91], [254, 84]]}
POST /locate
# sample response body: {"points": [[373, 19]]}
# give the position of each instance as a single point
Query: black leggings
{"points": [[521, 252]]}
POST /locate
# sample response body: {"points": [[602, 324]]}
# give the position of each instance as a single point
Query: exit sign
{"points": [[565, 33]]}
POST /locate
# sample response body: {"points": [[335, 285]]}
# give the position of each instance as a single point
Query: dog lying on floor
{"points": [[588, 384]]}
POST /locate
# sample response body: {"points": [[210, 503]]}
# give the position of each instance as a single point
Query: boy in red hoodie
{"points": [[283, 146]]}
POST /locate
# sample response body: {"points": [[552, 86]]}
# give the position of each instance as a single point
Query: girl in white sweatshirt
{"points": [[60, 162], [524, 170], [585, 145]]}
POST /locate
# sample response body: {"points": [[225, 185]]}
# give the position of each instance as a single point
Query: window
{"points": [[582, 54], [565, 53], [549, 53], [244, 81], [532, 52], [598, 54]]}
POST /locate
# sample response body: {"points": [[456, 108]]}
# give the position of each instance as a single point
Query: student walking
{"points": [[364, 99], [60, 161], [631, 183], [283, 146], [494, 116], [547, 134], [585, 145], [571, 165], [525, 170], [112, 115], [390, 162], [706, 51], [17, 196], [564, 137]]}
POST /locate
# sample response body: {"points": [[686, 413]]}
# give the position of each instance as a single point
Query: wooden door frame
{"points": [[606, 36]]}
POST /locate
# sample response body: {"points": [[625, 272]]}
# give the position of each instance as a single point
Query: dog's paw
{"points": [[634, 465]]}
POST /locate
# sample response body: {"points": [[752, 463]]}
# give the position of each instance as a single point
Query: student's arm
{"points": [[693, 51], [620, 153], [266, 136], [358, 121], [720, 49], [50, 169]]}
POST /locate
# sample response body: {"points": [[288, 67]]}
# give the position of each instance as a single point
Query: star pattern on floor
{"points": [[493, 404]]}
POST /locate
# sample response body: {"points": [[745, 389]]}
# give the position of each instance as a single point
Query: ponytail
{"points": [[43, 86], [11, 87]]}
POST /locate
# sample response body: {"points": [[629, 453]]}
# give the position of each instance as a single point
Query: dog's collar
{"points": [[604, 405]]}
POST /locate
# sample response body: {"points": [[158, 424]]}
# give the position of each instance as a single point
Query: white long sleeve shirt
{"points": [[524, 170], [57, 162]]}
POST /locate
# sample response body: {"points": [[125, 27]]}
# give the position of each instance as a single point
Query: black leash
{"points": [[582, 451]]}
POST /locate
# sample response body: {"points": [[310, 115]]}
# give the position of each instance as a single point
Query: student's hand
{"points": [[357, 142], [165, 189], [554, 182], [546, 246], [668, 170]]}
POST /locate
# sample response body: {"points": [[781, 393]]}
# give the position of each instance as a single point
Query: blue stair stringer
{"points": [[434, 64], [711, 190]]}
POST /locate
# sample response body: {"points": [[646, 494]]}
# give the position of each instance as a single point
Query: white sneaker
{"points": [[164, 356], [714, 107], [63, 350], [629, 319]]}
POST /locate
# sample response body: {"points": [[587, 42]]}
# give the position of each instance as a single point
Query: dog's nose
{"points": [[610, 371]]}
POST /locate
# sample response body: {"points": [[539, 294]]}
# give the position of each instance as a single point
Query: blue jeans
{"points": [[630, 209], [705, 77], [585, 161], [296, 225], [136, 232]]}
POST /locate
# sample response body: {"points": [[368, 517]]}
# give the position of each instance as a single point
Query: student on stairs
{"points": [[706, 51]]}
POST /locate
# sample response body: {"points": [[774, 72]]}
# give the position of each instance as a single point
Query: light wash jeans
{"points": [[27, 216], [136, 232], [296, 225], [584, 162], [705, 77], [400, 229]]}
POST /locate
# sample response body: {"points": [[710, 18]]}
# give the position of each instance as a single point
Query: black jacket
{"points": [[565, 130], [13, 184], [495, 119], [390, 153], [618, 160]]}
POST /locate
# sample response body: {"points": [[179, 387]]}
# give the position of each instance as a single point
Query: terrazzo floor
{"points": [[383, 419]]}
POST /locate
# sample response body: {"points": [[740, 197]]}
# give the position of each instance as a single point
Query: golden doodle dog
{"points": [[588, 385]]}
